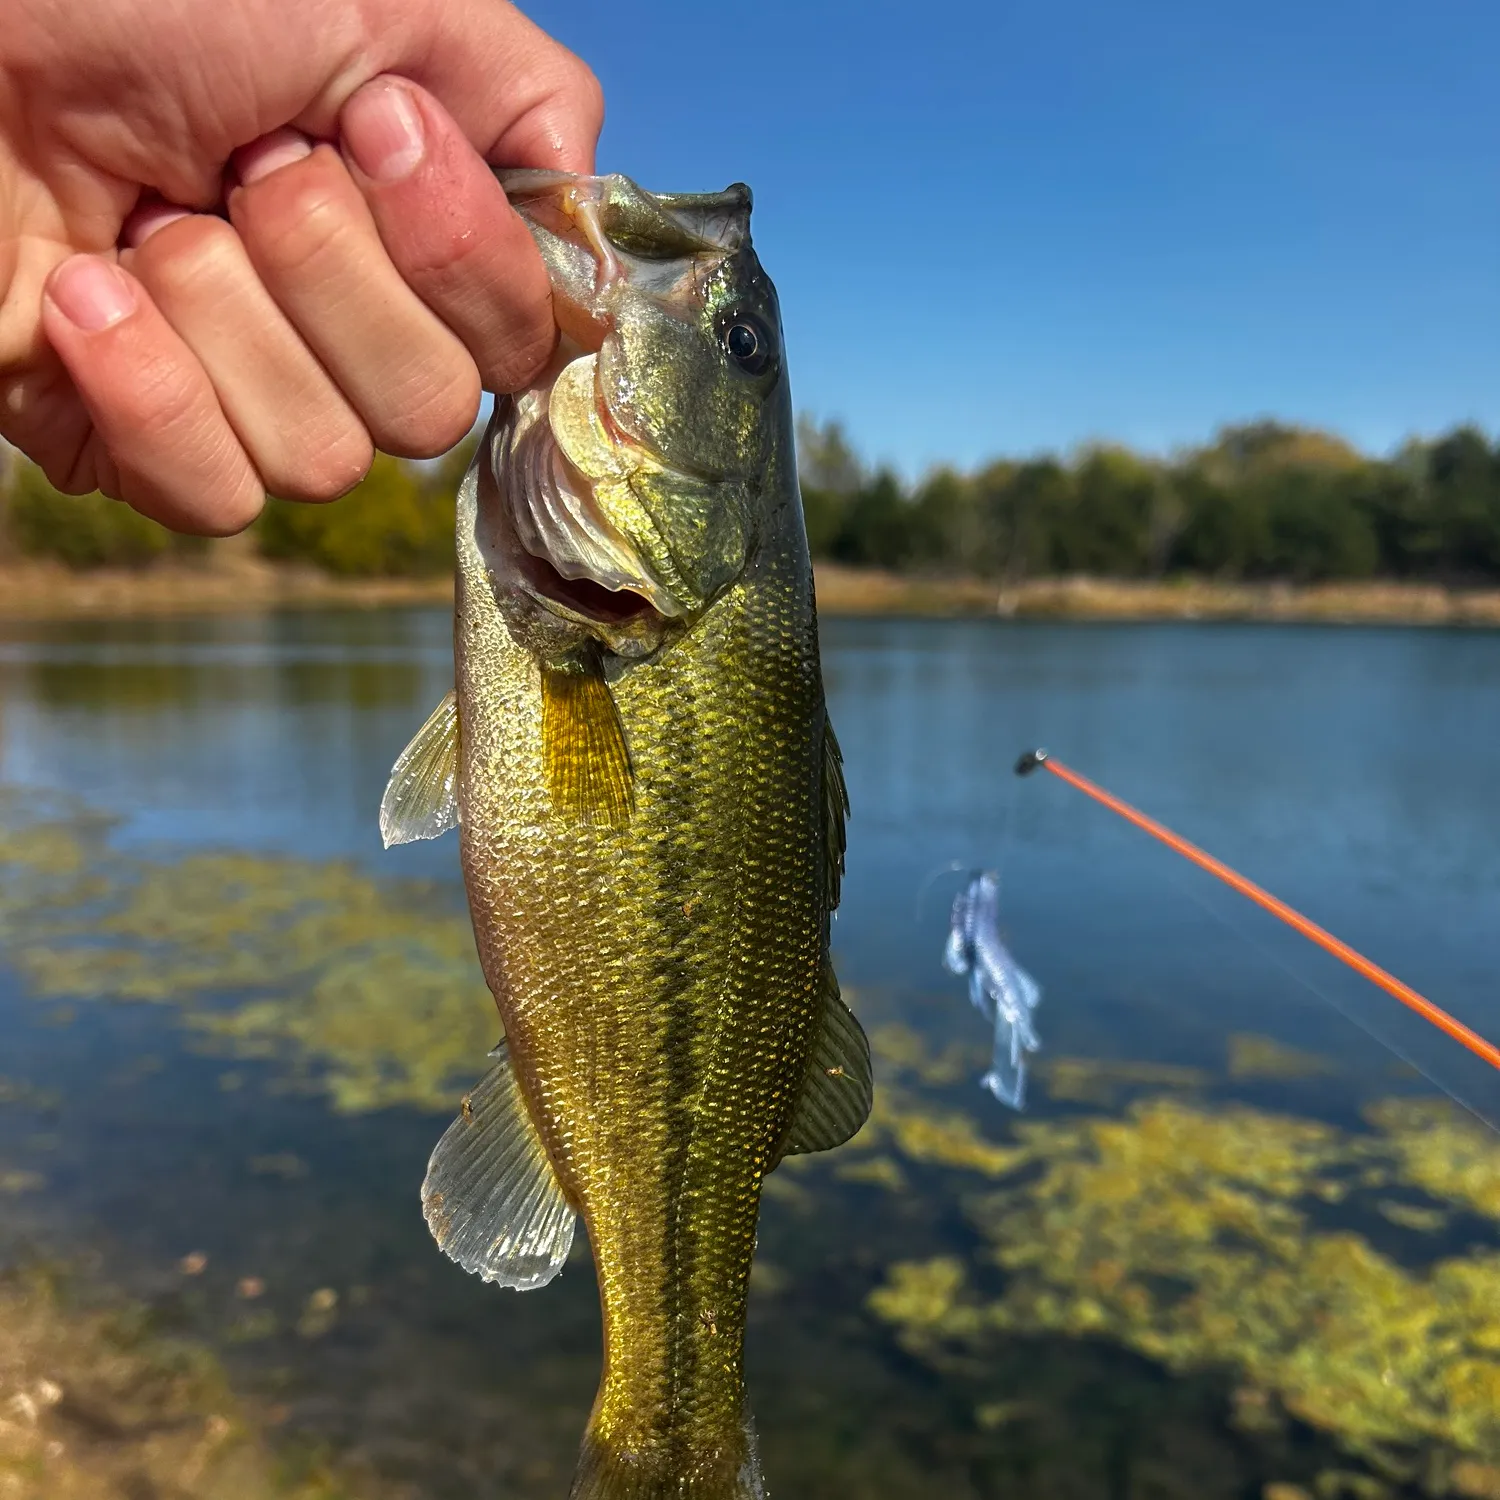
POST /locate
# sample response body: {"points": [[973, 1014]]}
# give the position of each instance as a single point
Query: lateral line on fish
{"points": [[1435, 1015]]}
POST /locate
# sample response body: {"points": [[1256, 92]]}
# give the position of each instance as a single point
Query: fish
{"points": [[651, 806], [999, 988]]}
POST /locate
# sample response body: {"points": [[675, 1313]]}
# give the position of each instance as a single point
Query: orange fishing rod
{"points": [[1034, 759]]}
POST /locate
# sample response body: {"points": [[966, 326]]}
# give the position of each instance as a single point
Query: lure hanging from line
{"points": [[1000, 989], [1033, 760]]}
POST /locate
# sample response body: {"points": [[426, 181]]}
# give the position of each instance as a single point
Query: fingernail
{"points": [[145, 221], [382, 128], [90, 293], [270, 153]]}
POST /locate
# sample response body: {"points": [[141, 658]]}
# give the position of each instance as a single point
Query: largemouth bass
{"points": [[651, 810]]}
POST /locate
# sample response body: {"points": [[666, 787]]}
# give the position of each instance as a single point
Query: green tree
{"points": [[1319, 528], [397, 522], [1107, 524], [81, 531], [1225, 531], [880, 526], [831, 475], [1463, 479], [950, 530]]}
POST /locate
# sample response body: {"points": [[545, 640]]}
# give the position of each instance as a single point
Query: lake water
{"points": [[1234, 1247]]}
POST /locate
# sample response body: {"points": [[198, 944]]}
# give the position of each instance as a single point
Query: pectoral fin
{"points": [[421, 800], [491, 1197], [838, 1087], [583, 746]]}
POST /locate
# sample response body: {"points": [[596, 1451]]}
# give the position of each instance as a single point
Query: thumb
{"points": [[522, 99]]}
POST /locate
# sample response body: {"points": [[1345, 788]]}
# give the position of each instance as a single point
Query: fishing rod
{"points": [[1034, 760]]}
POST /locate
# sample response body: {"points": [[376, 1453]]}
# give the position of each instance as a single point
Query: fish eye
{"points": [[747, 341]]}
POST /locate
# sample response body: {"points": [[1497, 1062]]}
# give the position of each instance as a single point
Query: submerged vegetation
{"points": [[1323, 1295], [96, 1403], [1217, 1239], [1262, 501], [370, 990]]}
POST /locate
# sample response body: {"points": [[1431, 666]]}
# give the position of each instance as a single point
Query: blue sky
{"points": [[1004, 228]]}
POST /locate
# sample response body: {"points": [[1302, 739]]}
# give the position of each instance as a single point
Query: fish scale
{"points": [[625, 1011]]}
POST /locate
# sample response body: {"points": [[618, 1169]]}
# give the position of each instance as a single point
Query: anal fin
{"points": [[839, 1086], [491, 1197]]}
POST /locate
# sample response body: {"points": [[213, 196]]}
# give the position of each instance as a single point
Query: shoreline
{"points": [[230, 580]]}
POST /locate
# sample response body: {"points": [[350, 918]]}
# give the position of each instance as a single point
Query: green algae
{"points": [[1097, 1080], [1152, 1217], [1254, 1056], [1205, 1237], [96, 1403], [367, 989], [1443, 1151]]}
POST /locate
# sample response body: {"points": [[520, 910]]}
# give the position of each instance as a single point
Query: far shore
{"points": [[231, 580]]}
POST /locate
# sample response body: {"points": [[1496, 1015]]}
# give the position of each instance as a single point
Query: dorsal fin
{"points": [[838, 1087], [491, 1196]]}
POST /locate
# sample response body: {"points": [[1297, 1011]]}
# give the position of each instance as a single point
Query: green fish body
{"points": [[651, 815]]}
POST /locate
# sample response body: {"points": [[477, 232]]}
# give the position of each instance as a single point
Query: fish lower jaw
{"points": [[584, 599]]}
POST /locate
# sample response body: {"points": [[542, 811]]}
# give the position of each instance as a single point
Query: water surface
{"points": [[232, 1027]]}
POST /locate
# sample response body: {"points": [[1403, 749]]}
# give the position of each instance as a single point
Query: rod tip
{"points": [[1030, 761]]}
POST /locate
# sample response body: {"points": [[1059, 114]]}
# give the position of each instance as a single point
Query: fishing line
{"points": [[1349, 1013], [1435, 1015], [932, 877], [937, 872]]}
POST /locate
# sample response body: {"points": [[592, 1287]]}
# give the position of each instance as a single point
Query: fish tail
{"points": [[723, 1471]]}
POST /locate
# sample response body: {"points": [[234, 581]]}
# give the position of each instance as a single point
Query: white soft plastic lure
{"points": [[1000, 989]]}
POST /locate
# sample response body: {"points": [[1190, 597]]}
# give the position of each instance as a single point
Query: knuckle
{"points": [[165, 398], [223, 501], [240, 509], [434, 419], [440, 252], [233, 510], [520, 360], [297, 219], [332, 467], [74, 476], [588, 94], [189, 258]]}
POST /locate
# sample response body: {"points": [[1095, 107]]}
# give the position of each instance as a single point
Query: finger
{"points": [[449, 230], [314, 244], [150, 400], [520, 97], [302, 436]]}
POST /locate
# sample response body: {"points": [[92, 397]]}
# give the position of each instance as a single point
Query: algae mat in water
{"points": [[1222, 1238], [369, 990], [1331, 1289]]}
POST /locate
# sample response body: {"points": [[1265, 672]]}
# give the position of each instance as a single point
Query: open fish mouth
{"points": [[558, 447]]}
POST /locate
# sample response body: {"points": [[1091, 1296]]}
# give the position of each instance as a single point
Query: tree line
{"points": [[1260, 501]]}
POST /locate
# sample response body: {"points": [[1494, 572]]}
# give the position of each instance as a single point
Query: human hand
{"points": [[357, 293]]}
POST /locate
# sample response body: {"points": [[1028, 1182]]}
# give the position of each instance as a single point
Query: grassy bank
{"points": [[229, 577]]}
